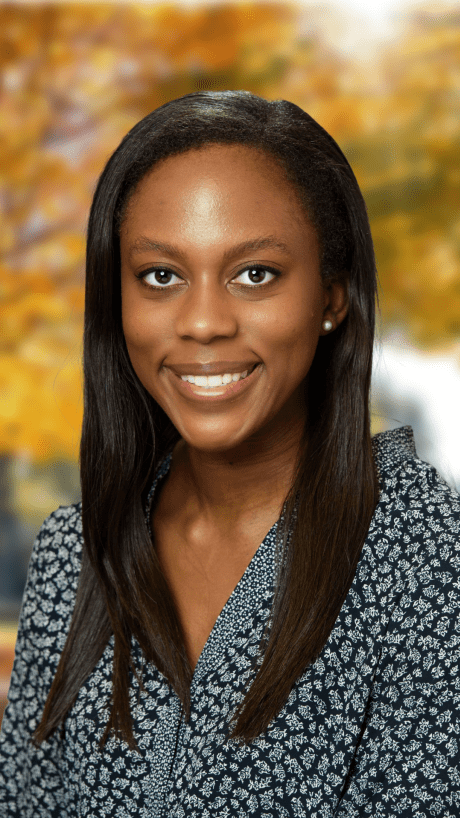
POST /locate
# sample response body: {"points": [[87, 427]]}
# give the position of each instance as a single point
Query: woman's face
{"points": [[220, 277]]}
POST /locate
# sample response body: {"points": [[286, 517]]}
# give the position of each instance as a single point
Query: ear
{"points": [[335, 305]]}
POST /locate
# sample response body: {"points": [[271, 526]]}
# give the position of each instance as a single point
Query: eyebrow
{"points": [[143, 244]]}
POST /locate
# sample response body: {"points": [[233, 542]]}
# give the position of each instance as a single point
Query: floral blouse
{"points": [[370, 729]]}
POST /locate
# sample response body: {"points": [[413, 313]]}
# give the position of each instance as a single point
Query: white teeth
{"points": [[212, 381]]}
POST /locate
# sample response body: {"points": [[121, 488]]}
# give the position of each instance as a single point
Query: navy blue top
{"points": [[370, 729]]}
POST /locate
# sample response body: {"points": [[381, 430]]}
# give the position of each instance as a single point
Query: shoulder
{"points": [[58, 546], [46, 612], [52, 580], [410, 566], [414, 542], [412, 488]]}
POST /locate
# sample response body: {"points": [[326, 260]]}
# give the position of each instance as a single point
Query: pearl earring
{"points": [[327, 325]]}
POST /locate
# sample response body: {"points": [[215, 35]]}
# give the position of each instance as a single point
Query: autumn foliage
{"points": [[75, 78]]}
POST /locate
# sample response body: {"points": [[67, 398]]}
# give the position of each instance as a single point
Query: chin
{"points": [[217, 442], [213, 446]]}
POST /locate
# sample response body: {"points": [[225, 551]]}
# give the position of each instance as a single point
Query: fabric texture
{"points": [[370, 729]]}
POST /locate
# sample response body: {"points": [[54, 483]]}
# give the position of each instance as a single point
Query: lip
{"points": [[216, 368], [226, 392]]}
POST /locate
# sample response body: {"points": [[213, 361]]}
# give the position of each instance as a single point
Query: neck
{"points": [[229, 487]]}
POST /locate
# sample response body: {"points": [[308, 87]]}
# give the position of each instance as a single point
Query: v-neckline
{"points": [[237, 607], [261, 564]]}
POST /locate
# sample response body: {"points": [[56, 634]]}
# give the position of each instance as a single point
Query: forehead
{"points": [[218, 174], [215, 204]]}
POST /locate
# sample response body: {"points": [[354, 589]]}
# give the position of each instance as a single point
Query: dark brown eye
{"points": [[256, 275], [160, 278]]}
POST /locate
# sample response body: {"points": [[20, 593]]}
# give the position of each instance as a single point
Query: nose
{"points": [[206, 313]]}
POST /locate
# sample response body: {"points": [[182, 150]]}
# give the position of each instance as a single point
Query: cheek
{"points": [[293, 333], [131, 318], [142, 329]]}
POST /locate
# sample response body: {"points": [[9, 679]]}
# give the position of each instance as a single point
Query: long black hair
{"points": [[122, 590]]}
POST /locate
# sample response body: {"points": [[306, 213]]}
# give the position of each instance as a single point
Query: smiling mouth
{"points": [[213, 388], [214, 381]]}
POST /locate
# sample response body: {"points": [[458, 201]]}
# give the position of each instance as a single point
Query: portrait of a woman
{"points": [[255, 608]]}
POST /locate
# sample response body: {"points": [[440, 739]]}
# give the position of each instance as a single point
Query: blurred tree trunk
{"points": [[12, 550]]}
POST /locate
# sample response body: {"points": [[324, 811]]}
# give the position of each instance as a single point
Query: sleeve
{"points": [[407, 760], [30, 779]]}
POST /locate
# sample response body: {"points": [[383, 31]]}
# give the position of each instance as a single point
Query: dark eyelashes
{"points": [[256, 267], [141, 276], [259, 268]]}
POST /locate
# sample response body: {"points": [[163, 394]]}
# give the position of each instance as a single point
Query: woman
{"points": [[255, 609]]}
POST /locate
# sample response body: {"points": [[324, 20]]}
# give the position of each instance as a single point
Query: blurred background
{"points": [[384, 81]]}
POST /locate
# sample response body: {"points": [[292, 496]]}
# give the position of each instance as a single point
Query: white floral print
{"points": [[370, 729]]}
